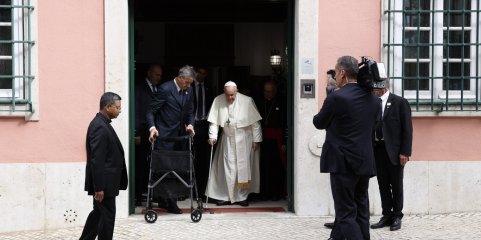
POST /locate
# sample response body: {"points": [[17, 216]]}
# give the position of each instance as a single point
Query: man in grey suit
{"points": [[392, 149], [171, 114], [347, 154], [105, 172]]}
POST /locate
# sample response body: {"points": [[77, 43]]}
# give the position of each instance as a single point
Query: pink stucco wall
{"points": [[71, 79], [447, 139], [347, 28], [354, 28]]}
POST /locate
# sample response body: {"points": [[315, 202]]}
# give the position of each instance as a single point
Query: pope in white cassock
{"points": [[235, 165]]}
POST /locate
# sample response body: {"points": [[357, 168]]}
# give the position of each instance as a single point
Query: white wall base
{"points": [[430, 187], [36, 196]]}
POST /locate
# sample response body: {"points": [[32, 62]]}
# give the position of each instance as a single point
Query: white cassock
{"points": [[235, 166]]}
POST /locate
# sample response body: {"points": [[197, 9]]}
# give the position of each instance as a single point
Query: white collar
{"points": [[148, 82], [177, 86], [151, 86]]}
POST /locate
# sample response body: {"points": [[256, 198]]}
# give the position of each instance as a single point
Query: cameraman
{"points": [[350, 114], [392, 149]]}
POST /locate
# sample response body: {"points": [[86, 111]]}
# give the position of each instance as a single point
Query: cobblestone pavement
{"points": [[268, 226]]}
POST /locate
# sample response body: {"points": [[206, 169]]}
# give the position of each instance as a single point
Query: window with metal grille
{"points": [[15, 57], [432, 52]]}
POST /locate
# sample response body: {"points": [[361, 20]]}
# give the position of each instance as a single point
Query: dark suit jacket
{"points": [[349, 115], [397, 128], [105, 170], [143, 99], [209, 97], [168, 113]]}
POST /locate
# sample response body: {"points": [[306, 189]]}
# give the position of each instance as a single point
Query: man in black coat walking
{"points": [[392, 149], [347, 154], [105, 173]]}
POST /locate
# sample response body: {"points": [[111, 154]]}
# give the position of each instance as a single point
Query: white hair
{"points": [[187, 71]]}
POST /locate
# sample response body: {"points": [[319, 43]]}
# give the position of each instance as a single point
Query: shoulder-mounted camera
{"points": [[371, 74]]}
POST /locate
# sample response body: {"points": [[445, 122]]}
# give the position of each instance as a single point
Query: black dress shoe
{"points": [[383, 222], [172, 206], [329, 225], [244, 203], [396, 224], [174, 210], [162, 204], [222, 203], [275, 198]]}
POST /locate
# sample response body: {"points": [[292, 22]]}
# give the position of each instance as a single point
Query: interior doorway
{"points": [[232, 40]]}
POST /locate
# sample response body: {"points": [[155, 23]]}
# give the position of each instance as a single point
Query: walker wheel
{"points": [[150, 216], [196, 215], [199, 204]]}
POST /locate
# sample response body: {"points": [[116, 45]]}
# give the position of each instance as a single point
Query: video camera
{"points": [[371, 74]]}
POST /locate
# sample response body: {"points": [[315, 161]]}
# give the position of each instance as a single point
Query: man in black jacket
{"points": [[392, 150], [105, 172], [203, 97], [347, 154], [144, 93]]}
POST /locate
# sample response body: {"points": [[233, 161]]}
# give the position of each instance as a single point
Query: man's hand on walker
{"points": [[190, 129], [153, 134]]}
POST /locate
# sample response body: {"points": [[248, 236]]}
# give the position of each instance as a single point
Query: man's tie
{"points": [[181, 95], [379, 134], [200, 102]]}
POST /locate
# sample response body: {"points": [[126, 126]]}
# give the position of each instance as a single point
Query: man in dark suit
{"points": [[144, 93], [347, 154], [273, 147], [392, 149], [202, 102], [172, 114], [105, 172]]}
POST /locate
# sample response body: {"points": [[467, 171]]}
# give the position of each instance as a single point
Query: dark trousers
{"points": [[351, 203], [271, 174], [202, 154], [390, 180], [142, 152], [101, 220]]}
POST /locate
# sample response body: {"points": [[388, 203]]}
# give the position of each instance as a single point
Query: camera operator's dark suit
{"points": [[347, 154], [397, 131]]}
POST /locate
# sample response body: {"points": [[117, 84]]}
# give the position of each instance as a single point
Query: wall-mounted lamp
{"points": [[275, 58]]}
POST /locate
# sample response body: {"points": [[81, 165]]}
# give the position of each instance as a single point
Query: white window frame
{"points": [[435, 65], [17, 56], [29, 111]]}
